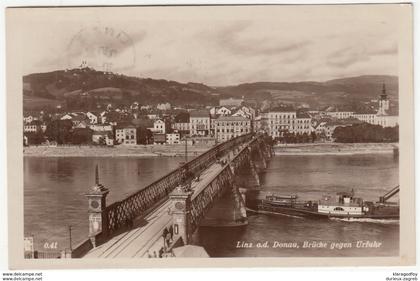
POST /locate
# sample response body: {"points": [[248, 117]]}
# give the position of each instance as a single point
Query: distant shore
{"points": [[115, 151], [334, 148], [195, 150]]}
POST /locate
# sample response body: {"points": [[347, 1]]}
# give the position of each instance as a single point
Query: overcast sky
{"points": [[288, 47]]}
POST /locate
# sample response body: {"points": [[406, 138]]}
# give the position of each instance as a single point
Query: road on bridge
{"points": [[144, 240]]}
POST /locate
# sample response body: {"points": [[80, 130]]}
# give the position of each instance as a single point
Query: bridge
{"points": [[160, 219]]}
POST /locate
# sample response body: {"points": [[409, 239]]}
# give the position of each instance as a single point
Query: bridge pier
{"points": [[254, 171], [261, 156], [180, 210], [242, 201]]}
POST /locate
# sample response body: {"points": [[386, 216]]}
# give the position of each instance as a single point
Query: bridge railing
{"points": [[122, 213], [202, 201]]}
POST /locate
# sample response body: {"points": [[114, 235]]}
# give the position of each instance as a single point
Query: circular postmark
{"points": [[102, 48]]}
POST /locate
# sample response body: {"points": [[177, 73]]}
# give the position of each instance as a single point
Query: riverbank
{"points": [[334, 148], [115, 151], [195, 150]]}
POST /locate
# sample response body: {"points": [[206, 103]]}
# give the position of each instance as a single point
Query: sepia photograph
{"points": [[156, 133]]}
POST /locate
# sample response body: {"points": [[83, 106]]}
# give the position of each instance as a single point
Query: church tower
{"points": [[383, 102]]}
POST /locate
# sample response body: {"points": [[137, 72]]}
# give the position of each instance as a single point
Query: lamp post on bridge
{"points": [[98, 220]]}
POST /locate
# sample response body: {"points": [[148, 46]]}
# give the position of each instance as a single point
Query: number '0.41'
{"points": [[52, 245]]}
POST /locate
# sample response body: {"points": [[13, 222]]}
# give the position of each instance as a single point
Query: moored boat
{"points": [[345, 206]]}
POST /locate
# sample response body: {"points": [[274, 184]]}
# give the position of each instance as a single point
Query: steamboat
{"points": [[345, 205]]}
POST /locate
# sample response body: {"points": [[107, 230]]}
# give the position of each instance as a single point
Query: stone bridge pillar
{"points": [[242, 191], [98, 220], [180, 209], [254, 171], [262, 157]]}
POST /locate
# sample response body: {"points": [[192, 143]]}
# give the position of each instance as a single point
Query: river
{"points": [[54, 199]]}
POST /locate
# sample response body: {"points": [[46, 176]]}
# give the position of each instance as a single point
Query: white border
{"points": [[170, 274]]}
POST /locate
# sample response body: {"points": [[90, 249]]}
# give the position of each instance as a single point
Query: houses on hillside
{"points": [[163, 124]]}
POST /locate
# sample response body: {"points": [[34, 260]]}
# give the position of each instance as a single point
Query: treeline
{"points": [[365, 133], [288, 137]]}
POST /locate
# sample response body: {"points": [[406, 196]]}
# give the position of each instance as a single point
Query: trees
{"points": [[144, 136], [81, 136], [365, 133], [35, 138], [313, 137], [59, 131]]}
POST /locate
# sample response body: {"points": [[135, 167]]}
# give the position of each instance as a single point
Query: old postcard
{"points": [[210, 136]]}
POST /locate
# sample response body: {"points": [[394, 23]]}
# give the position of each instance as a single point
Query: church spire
{"points": [[383, 95]]}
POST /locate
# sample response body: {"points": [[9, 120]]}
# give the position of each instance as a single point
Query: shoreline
{"points": [[335, 148], [116, 151], [178, 150]]}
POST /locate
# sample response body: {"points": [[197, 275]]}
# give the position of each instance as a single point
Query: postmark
{"points": [[102, 48]]}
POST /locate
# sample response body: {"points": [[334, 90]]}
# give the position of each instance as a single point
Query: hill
{"points": [[315, 94], [87, 88], [81, 88]]}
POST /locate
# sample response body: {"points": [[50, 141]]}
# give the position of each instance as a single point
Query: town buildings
{"points": [[220, 110], [173, 138], [227, 127], [126, 134], [159, 126], [32, 127], [384, 116], [199, 123], [280, 120], [302, 123], [144, 124]]}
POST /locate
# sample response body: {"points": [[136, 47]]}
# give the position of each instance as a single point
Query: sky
{"points": [[284, 46]]}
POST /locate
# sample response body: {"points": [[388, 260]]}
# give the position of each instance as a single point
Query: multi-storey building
{"points": [[366, 116], [182, 127], [126, 135], [159, 126], [386, 120], [182, 123], [227, 127], [280, 121], [199, 123], [33, 127], [220, 110], [261, 123], [302, 123], [340, 114], [173, 138]]}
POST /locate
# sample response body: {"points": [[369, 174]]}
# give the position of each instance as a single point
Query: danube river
{"points": [[55, 187]]}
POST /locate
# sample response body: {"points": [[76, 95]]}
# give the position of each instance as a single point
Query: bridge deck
{"points": [[146, 239]]}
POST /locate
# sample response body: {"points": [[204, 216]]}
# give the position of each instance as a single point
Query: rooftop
{"points": [[199, 113], [124, 125], [232, 118], [282, 109], [302, 114]]}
